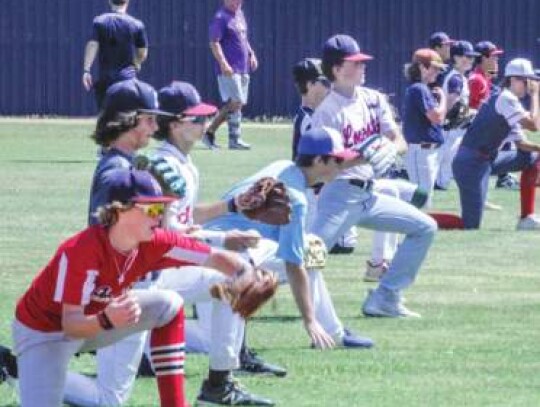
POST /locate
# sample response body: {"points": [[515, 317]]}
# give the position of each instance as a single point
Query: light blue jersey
{"points": [[290, 237]]}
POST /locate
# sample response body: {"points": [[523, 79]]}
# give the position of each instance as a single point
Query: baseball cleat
{"points": [[507, 182], [374, 272], [239, 145], [253, 364], [352, 340], [8, 366], [228, 394], [338, 249], [531, 222], [375, 306]]}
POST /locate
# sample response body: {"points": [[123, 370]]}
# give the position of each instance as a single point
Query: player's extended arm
{"points": [[299, 283], [140, 56], [526, 145], [217, 52], [204, 212], [90, 52], [229, 263]]}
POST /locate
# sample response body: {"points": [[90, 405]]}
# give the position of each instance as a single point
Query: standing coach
{"points": [[121, 44]]}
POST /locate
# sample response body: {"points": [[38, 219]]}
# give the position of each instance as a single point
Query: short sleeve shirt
{"points": [[231, 31], [87, 271], [417, 128], [366, 114], [118, 35], [290, 237]]}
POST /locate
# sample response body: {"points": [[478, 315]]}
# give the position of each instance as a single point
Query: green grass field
{"points": [[479, 292]]}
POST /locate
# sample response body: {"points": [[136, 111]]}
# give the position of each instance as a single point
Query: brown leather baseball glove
{"points": [[266, 201], [247, 292]]}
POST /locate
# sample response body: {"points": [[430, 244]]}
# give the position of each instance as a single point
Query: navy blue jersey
{"points": [[497, 120], [417, 128], [118, 35], [302, 123], [99, 193]]}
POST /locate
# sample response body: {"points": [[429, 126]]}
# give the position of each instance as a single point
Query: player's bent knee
{"points": [[169, 304], [420, 198]]}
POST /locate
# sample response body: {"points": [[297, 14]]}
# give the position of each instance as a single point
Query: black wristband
{"points": [[86, 70], [104, 321], [231, 205]]}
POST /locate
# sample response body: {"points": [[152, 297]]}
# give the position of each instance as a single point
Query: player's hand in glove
{"points": [[265, 201], [238, 240], [247, 291], [170, 180], [379, 151]]}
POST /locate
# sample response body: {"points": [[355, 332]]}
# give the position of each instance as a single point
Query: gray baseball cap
{"points": [[522, 68]]}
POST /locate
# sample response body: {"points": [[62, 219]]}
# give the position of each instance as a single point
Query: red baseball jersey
{"points": [[87, 271], [480, 88]]}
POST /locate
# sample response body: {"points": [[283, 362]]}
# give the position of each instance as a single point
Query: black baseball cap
{"points": [[131, 95], [309, 70], [342, 47], [439, 39], [129, 186], [181, 98], [487, 49], [462, 48]]}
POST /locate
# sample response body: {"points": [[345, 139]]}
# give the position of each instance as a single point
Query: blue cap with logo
{"points": [[342, 47], [324, 141], [181, 98], [131, 95], [462, 49], [439, 38], [309, 70], [133, 186]]}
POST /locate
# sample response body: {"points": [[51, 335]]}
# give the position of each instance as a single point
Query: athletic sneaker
{"points": [[209, 140], [253, 364], [352, 340], [375, 306], [531, 222], [507, 182], [8, 366], [338, 249], [229, 394], [374, 272], [239, 145]]}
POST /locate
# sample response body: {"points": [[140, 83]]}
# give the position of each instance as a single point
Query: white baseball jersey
{"points": [[180, 212], [364, 115], [455, 80]]}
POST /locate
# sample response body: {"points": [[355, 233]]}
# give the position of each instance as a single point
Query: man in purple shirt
{"points": [[122, 45], [234, 60]]}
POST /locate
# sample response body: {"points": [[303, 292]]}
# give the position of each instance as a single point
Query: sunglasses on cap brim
{"points": [[152, 210]]}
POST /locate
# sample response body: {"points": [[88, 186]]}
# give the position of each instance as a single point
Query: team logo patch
{"points": [[102, 294]]}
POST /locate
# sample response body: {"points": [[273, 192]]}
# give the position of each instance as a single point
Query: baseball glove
{"points": [[266, 201], [315, 252], [247, 292], [169, 179], [378, 151]]}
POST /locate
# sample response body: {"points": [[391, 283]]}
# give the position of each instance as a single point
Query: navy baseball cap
{"points": [[131, 95], [181, 98], [487, 49], [439, 39], [324, 141], [309, 70], [134, 186], [342, 47], [462, 49]]}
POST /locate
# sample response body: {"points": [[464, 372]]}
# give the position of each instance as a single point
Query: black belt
{"points": [[429, 146], [363, 184]]}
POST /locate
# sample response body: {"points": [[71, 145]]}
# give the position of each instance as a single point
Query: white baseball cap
{"points": [[520, 67]]}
